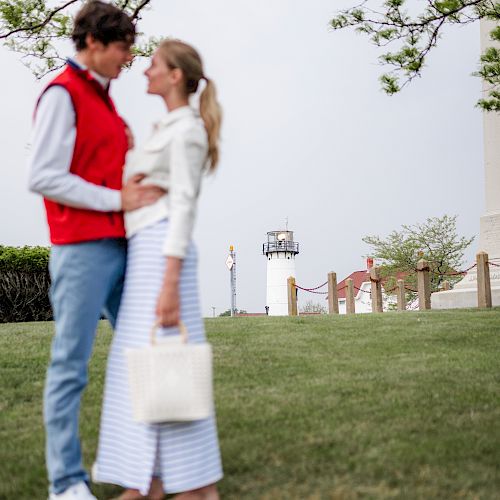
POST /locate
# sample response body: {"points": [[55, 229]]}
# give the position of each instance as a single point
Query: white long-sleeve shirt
{"points": [[173, 158], [52, 145]]}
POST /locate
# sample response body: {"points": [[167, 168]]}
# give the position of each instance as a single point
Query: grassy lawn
{"points": [[368, 406]]}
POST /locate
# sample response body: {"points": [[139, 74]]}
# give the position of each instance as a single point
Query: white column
{"points": [[464, 293], [489, 240]]}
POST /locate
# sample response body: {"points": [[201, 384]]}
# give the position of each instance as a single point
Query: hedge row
{"points": [[24, 284], [26, 259]]}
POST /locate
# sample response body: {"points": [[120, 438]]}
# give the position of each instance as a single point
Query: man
{"points": [[79, 147]]}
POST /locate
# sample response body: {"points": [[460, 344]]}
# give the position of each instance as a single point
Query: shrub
{"points": [[24, 284]]}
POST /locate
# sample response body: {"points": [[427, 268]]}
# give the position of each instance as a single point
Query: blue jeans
{"points": [[87, 280]]}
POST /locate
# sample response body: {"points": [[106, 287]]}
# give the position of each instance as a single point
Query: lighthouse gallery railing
{"points": [[280, 246]]}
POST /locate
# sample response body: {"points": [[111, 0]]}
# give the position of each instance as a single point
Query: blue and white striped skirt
{"points": [[185, 455]]}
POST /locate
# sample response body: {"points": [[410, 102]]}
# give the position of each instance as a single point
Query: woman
{"points": [[161, 284]]}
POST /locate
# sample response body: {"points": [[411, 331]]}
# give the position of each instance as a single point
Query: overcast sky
{"points": [[308, 135]]}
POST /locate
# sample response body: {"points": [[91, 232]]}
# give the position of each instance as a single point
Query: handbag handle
{"points": [[182, 329]]}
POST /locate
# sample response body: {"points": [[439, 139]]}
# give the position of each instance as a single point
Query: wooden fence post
{"points": [[376, 283], [292, 296], [446, 286], [350, 307], [483, 280], [401, 296], [424, 285], [333, 297]]}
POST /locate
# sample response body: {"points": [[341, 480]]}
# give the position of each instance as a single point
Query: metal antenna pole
{"points": [[233, 284], [231, 265]]}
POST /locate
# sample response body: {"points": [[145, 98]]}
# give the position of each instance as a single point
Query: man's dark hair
{"points": [[105, 22]]}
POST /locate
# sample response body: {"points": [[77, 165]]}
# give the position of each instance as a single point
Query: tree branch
{"points": [[135, 14], [40, 25], [400, 23], [413, 38]]}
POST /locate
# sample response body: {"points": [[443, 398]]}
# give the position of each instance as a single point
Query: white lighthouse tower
{"points": [[280, 251]]}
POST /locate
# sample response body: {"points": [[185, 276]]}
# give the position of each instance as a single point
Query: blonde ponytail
{"points": [[211, 115]]}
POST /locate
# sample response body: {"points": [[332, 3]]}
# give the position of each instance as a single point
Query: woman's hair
{"points": [[177, 54], [104, 22]]}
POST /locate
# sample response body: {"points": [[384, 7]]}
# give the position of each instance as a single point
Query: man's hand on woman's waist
{"points": [[134, 195]]}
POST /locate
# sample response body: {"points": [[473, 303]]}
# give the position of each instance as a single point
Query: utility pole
{"points": [[231, 265]]}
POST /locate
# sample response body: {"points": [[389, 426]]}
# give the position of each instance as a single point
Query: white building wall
{"points": [[363, 301], [280, 266]]}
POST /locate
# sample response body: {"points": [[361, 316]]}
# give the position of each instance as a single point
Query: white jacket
{"points": [[174, 158]]}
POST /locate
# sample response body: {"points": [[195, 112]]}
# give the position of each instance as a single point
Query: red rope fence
{"points": [[424, 286], [310, 290]]}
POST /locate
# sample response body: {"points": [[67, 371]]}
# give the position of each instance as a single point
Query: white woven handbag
{"points": [[170, 380]]}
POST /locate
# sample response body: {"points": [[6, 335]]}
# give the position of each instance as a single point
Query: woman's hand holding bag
{"points": [[170, 380]]}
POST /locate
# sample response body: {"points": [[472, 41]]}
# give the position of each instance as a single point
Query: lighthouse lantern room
{"points": [[280, 251]]}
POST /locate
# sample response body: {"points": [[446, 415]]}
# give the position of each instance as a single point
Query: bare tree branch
{"points": [[135, 14]]}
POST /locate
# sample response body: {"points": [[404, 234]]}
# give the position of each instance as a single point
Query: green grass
{"points": [[362, 407]]}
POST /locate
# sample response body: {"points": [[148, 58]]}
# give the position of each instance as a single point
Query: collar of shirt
{"points": [[175, 115], [99, 78]]}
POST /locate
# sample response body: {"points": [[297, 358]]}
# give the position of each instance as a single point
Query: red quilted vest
{"points": [[98, 157]]}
